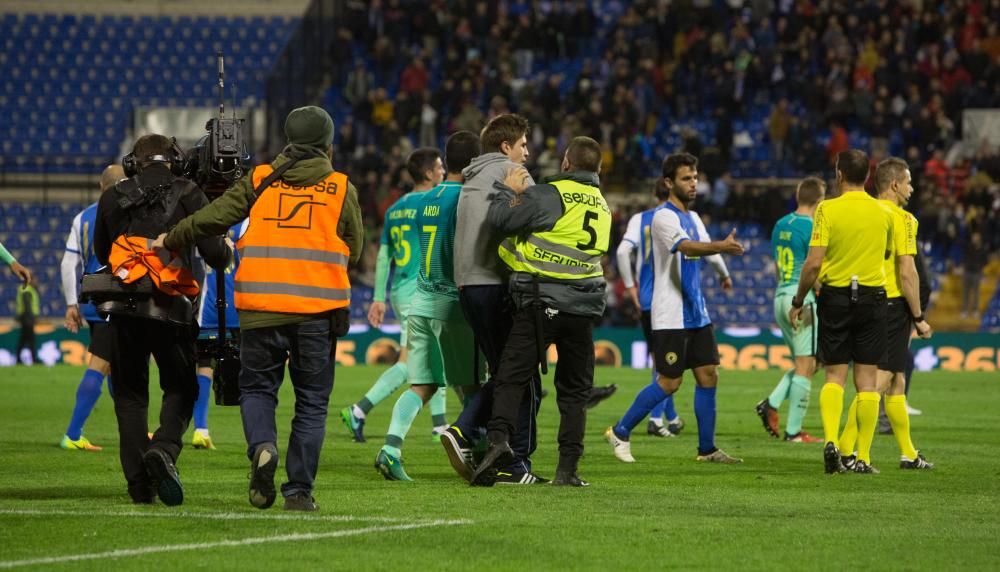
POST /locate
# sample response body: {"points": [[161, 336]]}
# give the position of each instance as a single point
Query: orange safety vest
{"points": [[132, 257], [291, 258]]}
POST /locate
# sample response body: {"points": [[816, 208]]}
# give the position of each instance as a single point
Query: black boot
{"points": [[498, 455]]}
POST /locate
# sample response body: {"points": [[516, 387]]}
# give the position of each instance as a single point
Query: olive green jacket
{"points": [[234, 206]]}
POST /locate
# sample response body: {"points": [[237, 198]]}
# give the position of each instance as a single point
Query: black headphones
{"points": [[130, 163]]}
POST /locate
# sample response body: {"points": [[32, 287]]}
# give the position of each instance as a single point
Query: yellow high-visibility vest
{"points": [[572, 250]]}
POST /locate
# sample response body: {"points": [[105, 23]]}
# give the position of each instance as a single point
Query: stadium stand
{"points": [[71, 81], [769, 90]]}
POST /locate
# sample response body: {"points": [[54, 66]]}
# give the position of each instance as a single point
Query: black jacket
{"points": [[177, 199], [537, 210]]}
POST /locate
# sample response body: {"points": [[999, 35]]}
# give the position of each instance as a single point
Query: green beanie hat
{"points": [[309, 126]]}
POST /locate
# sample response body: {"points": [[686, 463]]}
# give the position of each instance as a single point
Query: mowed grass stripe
{"points": [[276, 516], [299, 537], [777, 511]]}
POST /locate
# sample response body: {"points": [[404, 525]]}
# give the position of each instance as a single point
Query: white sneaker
{"points": [[913, 411], [622, 449], [719, 456]]}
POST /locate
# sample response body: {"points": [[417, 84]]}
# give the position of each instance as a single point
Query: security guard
{"points": [[557, 233], [292, 292], [850, 240], [141, 207]]}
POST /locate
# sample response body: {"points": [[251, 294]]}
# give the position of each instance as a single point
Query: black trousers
{"points": [[573, 337], [135, 339], [488, 309], [26, 339]]}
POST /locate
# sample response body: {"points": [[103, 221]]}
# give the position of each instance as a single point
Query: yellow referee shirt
{"points": [[856, 231], [904, 242]]}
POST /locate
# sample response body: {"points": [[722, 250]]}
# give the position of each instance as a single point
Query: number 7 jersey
{"points": [[437, 294], [789, 246]]}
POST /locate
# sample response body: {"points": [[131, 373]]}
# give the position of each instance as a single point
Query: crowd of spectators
{"points": [[795, 81]]}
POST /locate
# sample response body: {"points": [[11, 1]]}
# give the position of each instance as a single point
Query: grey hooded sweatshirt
{"points": [[477, 261]]}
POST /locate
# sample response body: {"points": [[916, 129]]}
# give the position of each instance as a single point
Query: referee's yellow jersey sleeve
{"points": [[897, 247], [821, 231], [910, 224], [857, 232]]}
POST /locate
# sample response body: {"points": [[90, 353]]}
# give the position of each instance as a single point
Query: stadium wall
{"points": [[740, 349]]}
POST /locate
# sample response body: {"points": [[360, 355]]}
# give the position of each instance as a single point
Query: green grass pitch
{"points": [[777, 510]]}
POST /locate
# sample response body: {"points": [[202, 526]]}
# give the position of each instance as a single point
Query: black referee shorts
{"points": [[677, 350], [851, 330], [899, 327], [100, 340]]}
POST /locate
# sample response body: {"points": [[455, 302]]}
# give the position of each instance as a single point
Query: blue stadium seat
{"points": [[68, 63]]}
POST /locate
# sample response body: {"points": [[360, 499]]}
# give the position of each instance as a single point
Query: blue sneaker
{"points": [[355, 425], [390, 467]]}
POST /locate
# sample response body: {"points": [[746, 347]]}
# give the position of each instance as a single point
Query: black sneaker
{"points": [[163, 474], [142, 494], [498, 455], [864, 468], [459, 452], [568, 479], [529, 478], [831, 459], [303, 502], [599, 394], [659, 430], [769, 417], [919, 463], [675, 426], [143, 498], [848, 461], [262, 468]]}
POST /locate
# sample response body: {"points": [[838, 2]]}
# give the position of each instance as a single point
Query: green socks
{"points": [[798, 397], [407, 407], [438, 404], [780, 393], [387, 384]]}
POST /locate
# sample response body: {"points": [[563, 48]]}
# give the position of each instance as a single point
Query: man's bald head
{"points": [[111, 175]]}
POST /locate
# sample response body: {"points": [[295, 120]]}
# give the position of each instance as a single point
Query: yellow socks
{"points": [[831, 405], [867, 421], [849, 438], [895, 409]]}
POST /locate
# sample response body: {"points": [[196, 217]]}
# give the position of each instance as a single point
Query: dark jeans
{"points": [[574, 378], [26, 339], [488, 311], [134, 339], [309, 349]]}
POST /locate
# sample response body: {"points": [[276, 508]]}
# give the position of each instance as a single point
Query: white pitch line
{"points": [[203, 515], [224, 543]]}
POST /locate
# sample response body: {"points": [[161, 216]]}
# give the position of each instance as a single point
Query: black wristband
{"points": [[919, 318], [796, 303]]}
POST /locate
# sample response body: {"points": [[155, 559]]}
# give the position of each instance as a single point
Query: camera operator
{"points": [[292, 292], [141, 207]]}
